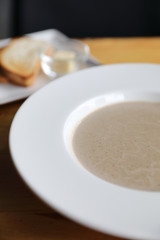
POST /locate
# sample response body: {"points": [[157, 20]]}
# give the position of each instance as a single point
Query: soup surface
{"points": [[120, 143]]}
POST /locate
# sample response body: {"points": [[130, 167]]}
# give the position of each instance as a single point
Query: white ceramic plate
{"points": [[39, 145], [10, 92]]}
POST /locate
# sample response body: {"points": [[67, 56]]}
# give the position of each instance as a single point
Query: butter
{"points": [[64, 61], [64, 55]]}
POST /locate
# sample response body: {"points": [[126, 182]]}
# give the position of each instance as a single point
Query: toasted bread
{"points": [[3, 79], [20, 61]]}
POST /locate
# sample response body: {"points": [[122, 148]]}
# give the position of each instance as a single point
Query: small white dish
{"points": [[39, 149], [68, 56]]}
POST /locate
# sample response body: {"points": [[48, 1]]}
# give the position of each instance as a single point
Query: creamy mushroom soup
{"points": [[120, 143]]}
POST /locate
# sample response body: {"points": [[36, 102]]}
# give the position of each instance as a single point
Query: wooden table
{"points": [[22, 215]]}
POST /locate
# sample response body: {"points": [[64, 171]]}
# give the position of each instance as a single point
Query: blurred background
{"points": [[81, 18]]}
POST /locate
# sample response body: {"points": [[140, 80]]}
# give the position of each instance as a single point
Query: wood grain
{"points": [[123, 50], [22, 215]]}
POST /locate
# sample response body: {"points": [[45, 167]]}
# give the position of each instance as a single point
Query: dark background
{"points": [[81, 18]]}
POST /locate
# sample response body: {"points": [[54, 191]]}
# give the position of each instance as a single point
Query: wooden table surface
{"points": [[22, 215]]}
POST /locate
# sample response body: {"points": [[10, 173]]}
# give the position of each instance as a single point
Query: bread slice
{"points": [[20, 60], [3, 79]]}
